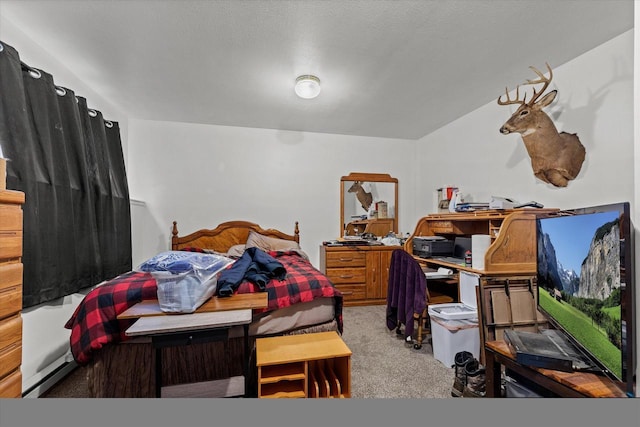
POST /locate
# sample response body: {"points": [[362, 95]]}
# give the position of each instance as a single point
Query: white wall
{"points": [[595, 100], [201, 175]]}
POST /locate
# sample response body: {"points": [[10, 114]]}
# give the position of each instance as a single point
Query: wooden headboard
{"points": [[226, 235]]}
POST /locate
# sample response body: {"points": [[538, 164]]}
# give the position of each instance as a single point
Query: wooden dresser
{"points": [[11, 293], [361, 273]]}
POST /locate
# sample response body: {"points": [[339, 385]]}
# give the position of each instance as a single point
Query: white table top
{"points": [[189, 322]]}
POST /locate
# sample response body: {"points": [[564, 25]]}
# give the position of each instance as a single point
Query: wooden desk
{"points": [[507, 290], [512, 232], [210, 322], [563, 384]]}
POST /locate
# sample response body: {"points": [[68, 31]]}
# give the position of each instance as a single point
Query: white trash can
{"points": [[454, 326]]}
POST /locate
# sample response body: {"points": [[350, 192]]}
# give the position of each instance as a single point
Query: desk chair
{"points": [[408, 297]]}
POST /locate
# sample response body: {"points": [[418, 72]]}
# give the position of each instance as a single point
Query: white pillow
{"points": [[236, 251]]}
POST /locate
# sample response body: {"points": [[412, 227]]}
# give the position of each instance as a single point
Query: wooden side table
{"points": [[305, 365], [187, 329], [210, 322]]}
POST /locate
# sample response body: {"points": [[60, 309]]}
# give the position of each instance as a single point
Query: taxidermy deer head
{"points": [[364, 198], [556, 158]]}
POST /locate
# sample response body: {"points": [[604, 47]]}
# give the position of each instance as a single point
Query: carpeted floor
{"points": [[382, 365]]}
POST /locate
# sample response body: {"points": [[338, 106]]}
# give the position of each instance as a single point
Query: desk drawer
{"points": [[346, 259], [347, 275], [442, 226]]}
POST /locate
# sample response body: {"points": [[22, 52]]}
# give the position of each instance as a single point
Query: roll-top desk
{"points": [[507, 292]]}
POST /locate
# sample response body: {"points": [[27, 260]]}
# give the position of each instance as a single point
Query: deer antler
{"points": [[536, 94], [542, 79], [510, 101]]}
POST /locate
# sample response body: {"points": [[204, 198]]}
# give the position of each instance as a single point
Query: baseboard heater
{"points": [[47, 378]]}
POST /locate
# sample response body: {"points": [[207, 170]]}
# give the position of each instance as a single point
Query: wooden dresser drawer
{"points": [[10, 244], [11, 386], [10, 217], [10, 289], [347, 275], [10, 344], [346, 259], [353, 292]]}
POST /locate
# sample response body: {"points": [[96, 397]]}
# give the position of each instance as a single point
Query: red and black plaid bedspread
{"points": [[94, 323]]}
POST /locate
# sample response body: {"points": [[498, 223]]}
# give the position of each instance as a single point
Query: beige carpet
{"points": [[382, 365]]}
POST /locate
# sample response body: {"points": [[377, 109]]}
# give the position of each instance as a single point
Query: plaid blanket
{"points": [[94, 323]]}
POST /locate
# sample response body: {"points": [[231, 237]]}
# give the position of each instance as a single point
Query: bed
{"points": [[119, 366]]}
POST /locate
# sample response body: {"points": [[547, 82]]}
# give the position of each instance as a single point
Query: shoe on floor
{"points": [[461, 360], [476, 380]]}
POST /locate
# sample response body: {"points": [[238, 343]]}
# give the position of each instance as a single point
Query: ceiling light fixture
{"points": [[307, 86]]}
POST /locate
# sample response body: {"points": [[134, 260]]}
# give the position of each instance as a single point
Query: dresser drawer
{"points": [[353, 292], [346, 259], [10, 217], [11, 386], [10, 244], [347, 275], [10, 289], [10, 344]]}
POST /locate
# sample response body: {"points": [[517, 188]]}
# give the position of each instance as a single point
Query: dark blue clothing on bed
{"points": [[256, 266]]}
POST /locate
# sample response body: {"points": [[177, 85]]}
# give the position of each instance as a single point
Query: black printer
{"points": [[430, 246]]}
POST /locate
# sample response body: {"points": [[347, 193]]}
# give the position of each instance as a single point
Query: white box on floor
{"points": [[514, 389], [454, 326]]}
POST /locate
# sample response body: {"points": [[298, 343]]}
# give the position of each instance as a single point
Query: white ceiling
{"points": [[398, 69]]}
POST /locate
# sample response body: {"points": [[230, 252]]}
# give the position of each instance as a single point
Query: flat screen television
{"points": [[586, 286]]}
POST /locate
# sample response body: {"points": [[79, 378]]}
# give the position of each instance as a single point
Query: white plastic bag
{"points": [[185, 279]]}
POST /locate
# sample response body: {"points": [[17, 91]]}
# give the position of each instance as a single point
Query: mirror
{"points": [[368, 204]]}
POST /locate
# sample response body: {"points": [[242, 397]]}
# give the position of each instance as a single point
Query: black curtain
{"points": [[68, 161]]}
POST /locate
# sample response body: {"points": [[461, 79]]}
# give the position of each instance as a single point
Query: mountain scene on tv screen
{"points": [[584, 296], [599, 274]]}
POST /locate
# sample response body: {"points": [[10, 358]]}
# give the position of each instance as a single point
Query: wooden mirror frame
{"points": [[375, 178]]}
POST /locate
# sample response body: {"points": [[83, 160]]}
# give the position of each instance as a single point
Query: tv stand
{"points": [[562, 384], [548, 348]]}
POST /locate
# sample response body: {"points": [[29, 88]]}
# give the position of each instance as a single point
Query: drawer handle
{"points": [[346, 259], [10, 289], [10, 347], [346, 276]]}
